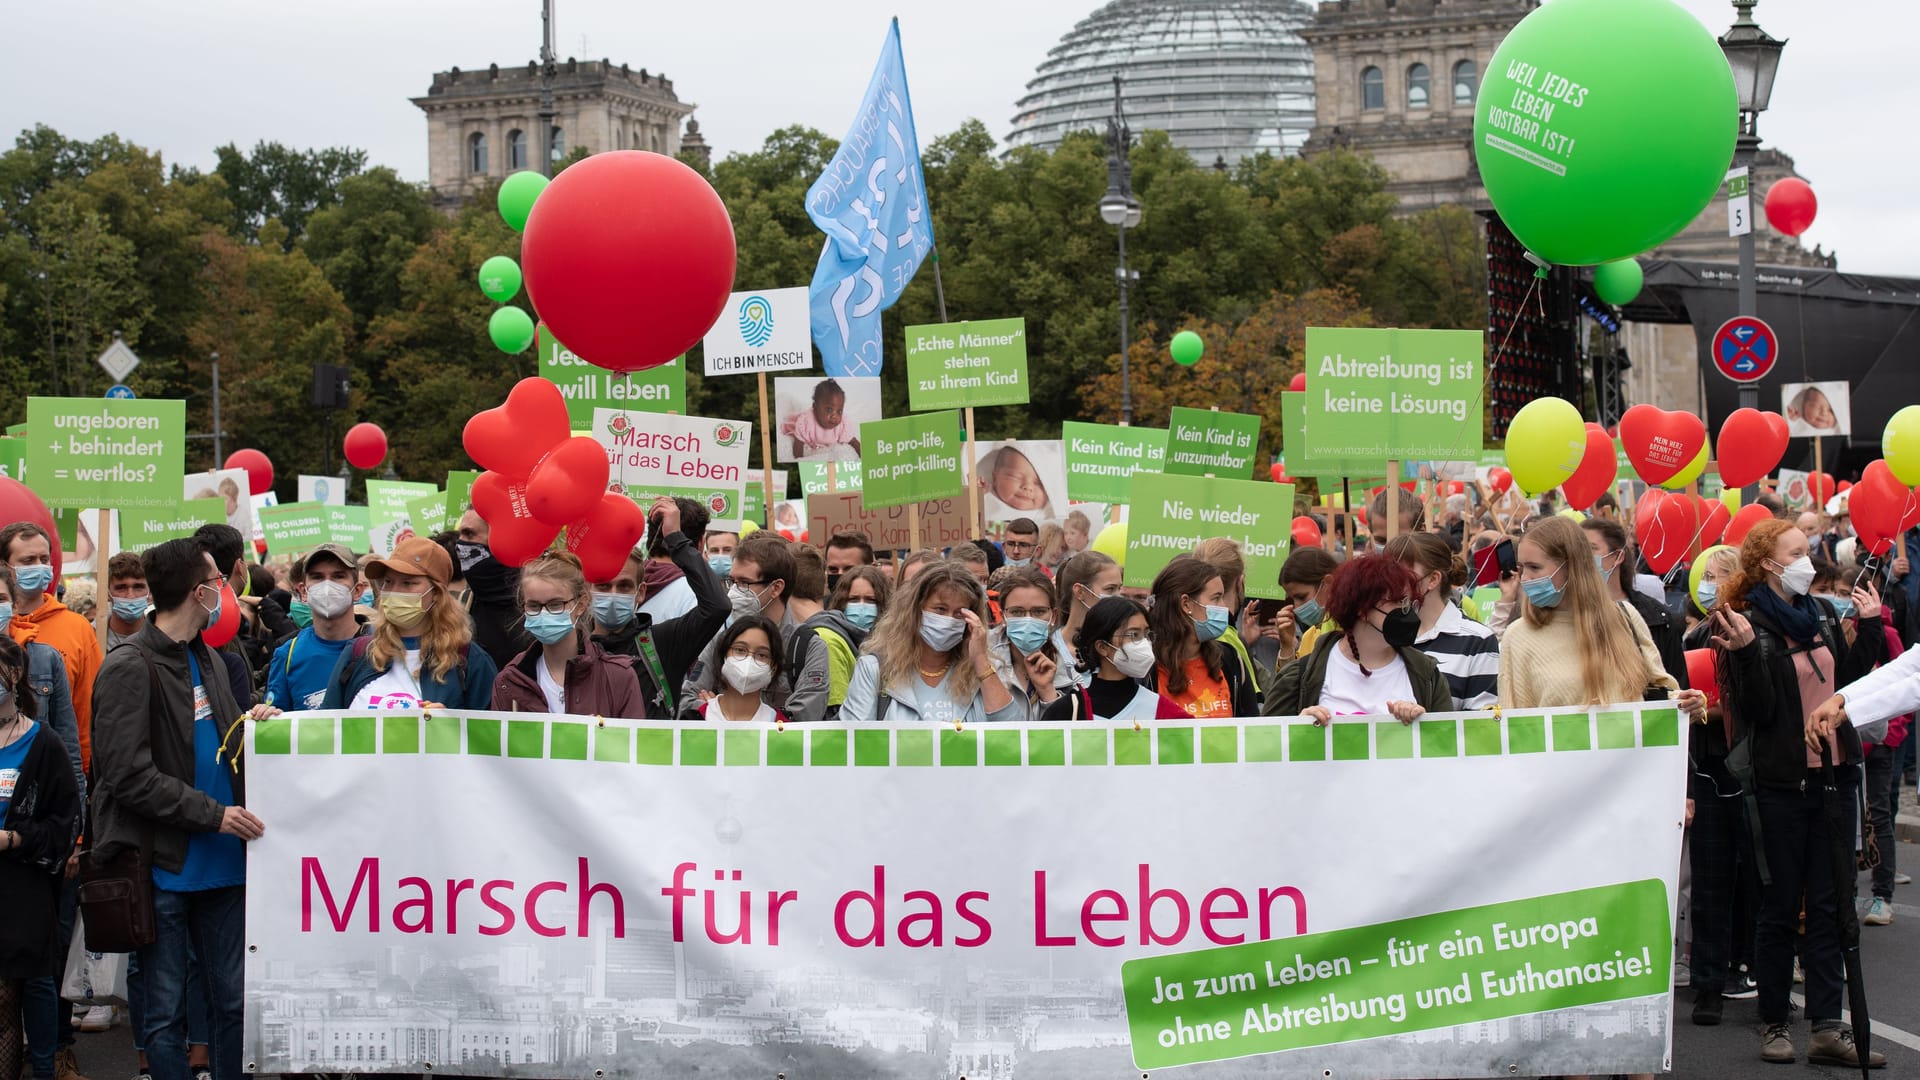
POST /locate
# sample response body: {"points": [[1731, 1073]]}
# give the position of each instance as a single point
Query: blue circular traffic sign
{"points": [[1745, 348], [120, 391]]}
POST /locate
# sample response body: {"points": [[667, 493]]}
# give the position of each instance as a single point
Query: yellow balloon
{"points": [[1901, 444], [1112, 542], [748, 528], [1570, 512], [1545, 443], [1730, 498], [1699, 568], [1691, 473]]}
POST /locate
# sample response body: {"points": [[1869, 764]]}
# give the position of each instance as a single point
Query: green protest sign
{"points": [[1170, 514], [106, 452], [753, 500], [428, 512], [141, 529], [295, 528], [13, 457], [348, 525], [1201, 441], [910, 459], [957, 365], [1395, 394], [828, 477], [586, 387], [1302, 458], [388, 500], [1102, 458], [459, 484]]}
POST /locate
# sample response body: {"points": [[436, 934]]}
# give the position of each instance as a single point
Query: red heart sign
{"points": [[511, 438], [1661, 443], [606, 535], [513, 534], [568, 482], [1743, 523], [1751, 445]]}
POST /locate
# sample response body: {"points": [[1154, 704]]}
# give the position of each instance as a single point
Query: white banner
{"points": [[766, 330], [690, 457], [323, 489], [557, 896]]}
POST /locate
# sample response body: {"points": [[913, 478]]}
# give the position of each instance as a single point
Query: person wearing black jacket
{"points": [[1782, 653], [621, 629], [491, 600], [1612, 555]]}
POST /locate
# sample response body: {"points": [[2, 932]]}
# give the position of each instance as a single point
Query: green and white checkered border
{"points": [[1276, 741]]}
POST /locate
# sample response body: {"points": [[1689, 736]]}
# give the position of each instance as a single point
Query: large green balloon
{"points": [[511, 329], [517, 195], [500, 279], [1187, 348], [1618, 282], [1604, 127]]}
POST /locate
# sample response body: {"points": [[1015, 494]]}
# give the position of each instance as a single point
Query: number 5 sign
{"points": [[1739, 203]]}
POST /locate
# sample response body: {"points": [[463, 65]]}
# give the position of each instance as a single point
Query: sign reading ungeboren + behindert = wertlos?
{"points": [[99, 452]]}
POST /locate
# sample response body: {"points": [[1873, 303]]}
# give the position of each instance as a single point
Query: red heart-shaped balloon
{"points": [[1643, 514], [1306, 532], [1661, 443], [1880, 504], [1671, 532], [567, 484], [605, 536], [1751, 446], [513, 534], [1743, 522], [1820, 488], [1714, 526], [1599, 468], [511, 438]]}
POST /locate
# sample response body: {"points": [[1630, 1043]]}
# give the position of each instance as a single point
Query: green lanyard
{"points": [[643, 642]]}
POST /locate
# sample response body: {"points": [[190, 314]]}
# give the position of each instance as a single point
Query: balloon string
{"points": [[1493, 367]]}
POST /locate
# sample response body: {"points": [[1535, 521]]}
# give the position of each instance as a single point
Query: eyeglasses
{"points": [[1027, 613], [551, 607], [1016, 547], [731, 580], [741, 652], [1131, 636]]}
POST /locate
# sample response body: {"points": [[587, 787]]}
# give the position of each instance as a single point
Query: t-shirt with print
{"points": [[936, 704], [1348, 691], [398, 687], [1206, 697], [13, 757], [556, 693], [214, 860]]}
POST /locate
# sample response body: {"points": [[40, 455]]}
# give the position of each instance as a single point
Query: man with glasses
{"points": [[168, 780], [760, 583], [1021, 540]]}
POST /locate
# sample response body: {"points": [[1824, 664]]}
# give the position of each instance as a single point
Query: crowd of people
{"points": [[131, 753]]}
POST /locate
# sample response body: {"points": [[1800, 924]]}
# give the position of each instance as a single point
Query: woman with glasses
{"points": [[752, 658], [565, 671], [1189, 614], [1022, 645], [1370, 666], [927, 657], [421, 652], [1116, 650]]}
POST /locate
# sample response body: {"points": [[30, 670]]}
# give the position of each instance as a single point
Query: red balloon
{"points": [[1751, 445], [605, 536], [512, 437], [1306, 532], [365, 445], [1661, 443], [1743, 522], [1675, 521], [1701, 674], [1791, 206], [1456, 487], [1880, 505], [513, 534], [19, 503], [1843, 487], [1278, 471], [222, 629], [629, 258], [1500, 478], [1599, 468], [1714, 525], [1820, 488], [568, 482], [259, 469], [1298, 384]]}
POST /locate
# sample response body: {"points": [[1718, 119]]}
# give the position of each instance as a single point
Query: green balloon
{"points": [[1604, 127], [1187, 348], [517, 195], [1618, 282], [500, 279], [511, 329]]}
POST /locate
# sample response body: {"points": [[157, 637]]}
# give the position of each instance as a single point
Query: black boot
{"points": [[1707, 1007]]}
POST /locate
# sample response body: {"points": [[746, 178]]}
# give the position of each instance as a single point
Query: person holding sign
{"points": [[421, 653], [662, 650], [1117, 647], [927, 658], [566, 672], [1022, 645], [1369, 667], [1189, 614]]}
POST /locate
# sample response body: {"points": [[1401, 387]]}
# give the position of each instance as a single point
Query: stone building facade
{"points": [[483, 124]]}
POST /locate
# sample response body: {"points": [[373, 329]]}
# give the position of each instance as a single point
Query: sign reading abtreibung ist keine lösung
{"points": [[764, 330], [1385, 394]]}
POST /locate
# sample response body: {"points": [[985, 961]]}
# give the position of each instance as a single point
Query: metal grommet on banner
{"points": [[780, 724], [251, 1066], [959, 724], [426, 714], [1136, 723], [599, 721], [253, 948], [426, 1066], [599, 1073]]}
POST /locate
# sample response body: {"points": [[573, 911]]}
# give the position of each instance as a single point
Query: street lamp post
{"points": [[1120, 209], [1754, 57], [548, 112]]}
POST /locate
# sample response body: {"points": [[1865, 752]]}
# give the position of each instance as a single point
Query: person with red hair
{"points": [[1370, 666]]}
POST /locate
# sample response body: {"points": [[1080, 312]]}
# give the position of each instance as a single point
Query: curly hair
{"points": [[1363, 582]]}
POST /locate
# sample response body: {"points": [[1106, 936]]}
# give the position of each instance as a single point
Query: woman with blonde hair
{"points": [[420, 652], [1051, 547], [927, 658], [564, 671]]}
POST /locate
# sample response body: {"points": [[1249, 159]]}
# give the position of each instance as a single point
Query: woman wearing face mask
{"points": [[1467, 653], [1370, 667], [565, 672], [1118, 645], [861, 596], [1782, 653], [1189, 614], [1082, 581], [1022, 645], [752, 650], [1302, 577], [46, 679], [421, 651], [927, 658]]}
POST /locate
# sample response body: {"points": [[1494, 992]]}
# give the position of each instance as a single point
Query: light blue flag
{"points": [[871, 201]]}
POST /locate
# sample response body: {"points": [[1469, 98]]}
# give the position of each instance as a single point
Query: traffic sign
{"points": [[118, 361], [1739, 203], [121, 391], [1745, 349]]}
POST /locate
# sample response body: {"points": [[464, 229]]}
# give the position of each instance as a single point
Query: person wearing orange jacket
{"points": [[39, 616]]}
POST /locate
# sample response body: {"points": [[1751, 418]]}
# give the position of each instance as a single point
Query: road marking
{"points": [[1880, 1030]]}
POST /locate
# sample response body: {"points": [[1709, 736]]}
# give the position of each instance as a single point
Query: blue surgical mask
{"points": [[862, 615], [1708, 592], [721, 564], [1213, 625], [613, 610], [1843, 605], [299, 611], [1600, 564], [6, 617], [1308, 614], [33, 579], [1019, 562], [1542, 592], [136, 609], [941, 632], [1028, 635], [213, 613], [548, 628]]}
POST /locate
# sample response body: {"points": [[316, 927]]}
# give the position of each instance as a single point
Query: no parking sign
{"points": [[1745, 348]]}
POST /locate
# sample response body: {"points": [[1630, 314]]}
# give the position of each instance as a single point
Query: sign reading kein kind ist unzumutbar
{"points": [[687, 457], [106, 452], [1384, 394], [955, 365], [910, 459], [1102, 458], [1206, 441], [1170, 514]]}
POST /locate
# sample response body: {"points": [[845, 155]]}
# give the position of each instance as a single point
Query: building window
{"points": [[1419, 87], [477, 153], [516, 149], [1373, 89], [556, 144], [1466, 82]]}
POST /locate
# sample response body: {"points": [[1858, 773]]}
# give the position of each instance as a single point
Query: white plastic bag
{"points": [[93, 978]]}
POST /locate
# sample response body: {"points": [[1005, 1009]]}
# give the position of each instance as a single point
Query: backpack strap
{"points": [[882, 701], [650, 657]]}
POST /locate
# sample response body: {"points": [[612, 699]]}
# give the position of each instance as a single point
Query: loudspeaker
{"points": [[330, 386]]}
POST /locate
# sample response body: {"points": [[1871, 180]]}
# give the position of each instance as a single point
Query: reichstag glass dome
{"points": [[1225, 78]]}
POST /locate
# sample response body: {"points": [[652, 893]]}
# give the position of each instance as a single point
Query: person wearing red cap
{"points": [[420, 652]]}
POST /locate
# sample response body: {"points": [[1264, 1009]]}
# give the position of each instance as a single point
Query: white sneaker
{"points": [[98, 1018], [1902, 879]]}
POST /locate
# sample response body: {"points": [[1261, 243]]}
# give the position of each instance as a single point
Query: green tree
{"points": [[362, 244], [277, 182]]}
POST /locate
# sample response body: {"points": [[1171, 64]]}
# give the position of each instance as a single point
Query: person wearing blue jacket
{"points": [[420, 652], [328, 579]]}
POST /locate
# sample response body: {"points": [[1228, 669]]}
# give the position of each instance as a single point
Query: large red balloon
{"points": [[19, 503], [228, 624], [1660, 443], [512, 437], [605, 537], [1599, 468], [1298, 384], [628, 258], [1743, 523], [259, 469], [365, 445], [1676, 520], [567, 484], [514, 535], [1791, 206], [1306, 532], [1751, 444]]}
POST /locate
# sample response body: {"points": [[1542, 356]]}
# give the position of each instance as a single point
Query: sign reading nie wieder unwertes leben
{"points": [[669, 872], [1169, 515], [687, 457], [1387, 394], [977, 363], [102, 452], [764, 330]]}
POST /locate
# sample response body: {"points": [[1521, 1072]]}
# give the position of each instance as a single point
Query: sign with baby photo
{"points": [[1022, 478], [687, 457], [1816, 408], [911, 459], [818, 419], [1171, 514], [1201, 441], [966, 364]]}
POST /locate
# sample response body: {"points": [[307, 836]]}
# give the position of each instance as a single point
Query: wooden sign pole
{"points": [[766, 454], [102, 603], [913, 527], [974, 518], [1393, 500]]}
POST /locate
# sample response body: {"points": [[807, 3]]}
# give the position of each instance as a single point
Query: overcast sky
{"points": [[183, 78]]}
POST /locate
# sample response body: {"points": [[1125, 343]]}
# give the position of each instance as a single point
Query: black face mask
{"points": [[1400, 627], [833, 582]]}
